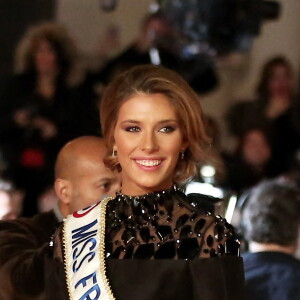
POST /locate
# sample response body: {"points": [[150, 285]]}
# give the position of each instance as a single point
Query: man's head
{"points": [[11, 201], [272, 214], [81, 177]]}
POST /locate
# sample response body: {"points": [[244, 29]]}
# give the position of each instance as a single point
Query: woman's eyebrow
{"points": [[130, 121], [159, 122], [169, 120]]}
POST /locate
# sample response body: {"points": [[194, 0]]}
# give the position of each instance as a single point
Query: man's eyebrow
{"points": [[105, 179]]}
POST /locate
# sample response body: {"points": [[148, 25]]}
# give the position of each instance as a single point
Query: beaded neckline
{"points": [[144, 196]]}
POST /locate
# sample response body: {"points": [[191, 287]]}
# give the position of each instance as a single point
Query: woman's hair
{"points": [[267, 72], [149, 79], [62, 44]]}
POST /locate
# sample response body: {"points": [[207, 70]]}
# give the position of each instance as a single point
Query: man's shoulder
{"points": [[271, 262], [45, 217], [47, 221], [40, 224]]}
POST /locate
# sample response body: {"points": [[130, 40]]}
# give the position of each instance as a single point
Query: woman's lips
{"points": [[148, 164]]}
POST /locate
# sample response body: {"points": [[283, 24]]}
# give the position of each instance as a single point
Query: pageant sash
{"points": [[84, 253]]}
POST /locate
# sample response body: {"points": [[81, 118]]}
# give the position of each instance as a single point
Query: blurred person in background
{"points": [[11, 201], [45, 104], [47, 200], [274, 108], [271, 222], [214, 157], [153, 45], [251, 162], [81, 175], [81, 180]]}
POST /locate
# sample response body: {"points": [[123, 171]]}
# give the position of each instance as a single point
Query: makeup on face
{"points": [[148, 139]]}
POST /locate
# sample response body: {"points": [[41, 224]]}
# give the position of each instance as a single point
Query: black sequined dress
{"points": [[166, 225], [166, 246]]}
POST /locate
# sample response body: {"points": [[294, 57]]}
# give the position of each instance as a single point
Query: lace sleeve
{"points": [[217, 237]]}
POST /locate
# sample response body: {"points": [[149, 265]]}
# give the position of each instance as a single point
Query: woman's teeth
{"points": [[149, 163]]}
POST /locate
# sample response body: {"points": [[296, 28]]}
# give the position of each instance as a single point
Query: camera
{"points": [[218, 27]]}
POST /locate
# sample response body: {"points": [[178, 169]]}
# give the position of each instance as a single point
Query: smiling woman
{"points": [[148, 145], [161, 84], [151, 241]]}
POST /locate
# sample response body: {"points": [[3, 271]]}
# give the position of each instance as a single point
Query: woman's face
{"points": [[256, 150], [148, 140], [45, 58], [281, 82]]}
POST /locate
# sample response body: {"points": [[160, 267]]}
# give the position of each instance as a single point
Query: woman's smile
{"points": [[149, 165], [148, 140]]}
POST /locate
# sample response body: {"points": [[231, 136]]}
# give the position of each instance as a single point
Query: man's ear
{"points": [[63, 190]]}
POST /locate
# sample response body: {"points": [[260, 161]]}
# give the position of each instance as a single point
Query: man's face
{"points": [[92, 182], [6, 207]]}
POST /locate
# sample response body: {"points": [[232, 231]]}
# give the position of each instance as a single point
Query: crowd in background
{"points": [[51, 100], [44, 105]]}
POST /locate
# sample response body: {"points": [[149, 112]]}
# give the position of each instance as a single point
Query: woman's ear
{"points": [[184, 146], [63, 190], [114, 151]]}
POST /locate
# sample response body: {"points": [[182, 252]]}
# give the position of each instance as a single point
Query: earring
{"points": [[114, 152], [182, 154]]}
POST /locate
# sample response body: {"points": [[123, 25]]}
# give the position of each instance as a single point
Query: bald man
{"points": [[81, 179]]}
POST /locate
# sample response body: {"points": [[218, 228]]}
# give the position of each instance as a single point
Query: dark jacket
{"points": [[272, 275], [23, 248]]}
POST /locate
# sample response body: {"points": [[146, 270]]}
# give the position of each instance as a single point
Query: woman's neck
{"points": [[144, 191]]}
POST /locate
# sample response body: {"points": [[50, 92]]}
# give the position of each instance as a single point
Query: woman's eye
{"points": [[167, 129], [132, 129]]}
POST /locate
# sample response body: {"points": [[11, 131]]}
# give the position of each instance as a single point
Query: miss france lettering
{"points": [[85, 256]]}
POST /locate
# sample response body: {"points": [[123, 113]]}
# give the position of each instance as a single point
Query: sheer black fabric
{"points": [[167, 225]]}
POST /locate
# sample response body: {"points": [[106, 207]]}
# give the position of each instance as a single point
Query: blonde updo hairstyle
{"points": [[149, 79]]}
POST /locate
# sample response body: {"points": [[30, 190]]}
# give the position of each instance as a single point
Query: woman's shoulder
{"points": [[217, 236], [200, 202]]}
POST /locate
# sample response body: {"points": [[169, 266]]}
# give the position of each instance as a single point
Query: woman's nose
{"points": [[149, 142]]}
